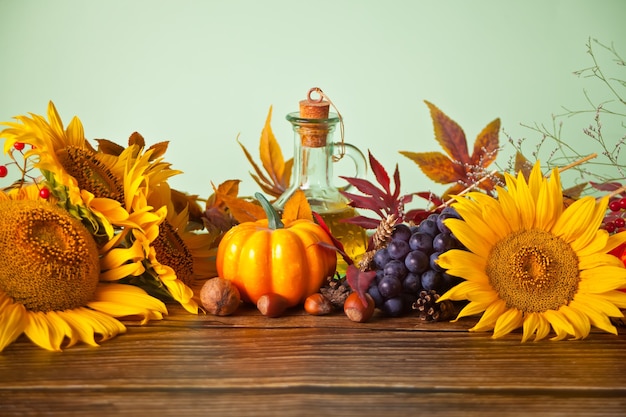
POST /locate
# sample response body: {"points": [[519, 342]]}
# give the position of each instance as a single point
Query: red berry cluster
{"points": [[4, 171], [614, 220]]}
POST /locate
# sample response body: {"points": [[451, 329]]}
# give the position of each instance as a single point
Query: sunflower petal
{"points": [[489, 317], [12, 321], [602, 279], [559, 323], [507, 322]]}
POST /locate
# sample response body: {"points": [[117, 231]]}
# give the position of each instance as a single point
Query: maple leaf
{"points": [[383, 201], [275, 180], [457, 166]]}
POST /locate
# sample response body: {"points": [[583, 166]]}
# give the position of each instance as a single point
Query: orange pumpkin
{"points": [[271, 257]]}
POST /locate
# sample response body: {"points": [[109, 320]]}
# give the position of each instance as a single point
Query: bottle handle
{"points": [[357, 157]]}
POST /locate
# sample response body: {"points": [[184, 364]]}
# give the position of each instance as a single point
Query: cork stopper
{"points": [[314, 109], [314, 135]]}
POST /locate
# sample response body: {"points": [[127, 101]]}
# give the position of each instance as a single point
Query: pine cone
{"points": [[336, 291], [430, 310]]}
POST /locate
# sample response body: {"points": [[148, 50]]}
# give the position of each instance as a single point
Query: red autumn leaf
{"points": [[381, 200], [380, 173], [360, 281], [337, 245]]}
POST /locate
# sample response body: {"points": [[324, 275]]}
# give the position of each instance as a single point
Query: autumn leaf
{"points": [[297, 207], [457, 166], [275, 174], [337, 246], [383, 201], [111, 148], [360, 281], [224, 209], [241, 209]]}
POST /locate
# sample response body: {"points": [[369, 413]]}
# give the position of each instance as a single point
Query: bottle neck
{"points": [[312, 166]]}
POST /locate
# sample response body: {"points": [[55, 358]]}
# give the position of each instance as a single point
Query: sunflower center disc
{"points": [[91, 174], [171, 250], [533, 271], [49, 260]]}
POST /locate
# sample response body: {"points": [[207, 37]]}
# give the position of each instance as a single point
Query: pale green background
{"points": [[199, 73]]}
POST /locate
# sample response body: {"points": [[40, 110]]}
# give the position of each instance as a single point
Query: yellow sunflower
{"points": [[167, 258], [49, 280], [534, 264], [74, 172]]}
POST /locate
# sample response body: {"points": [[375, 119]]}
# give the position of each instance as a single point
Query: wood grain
{"points": [[298, 364]]}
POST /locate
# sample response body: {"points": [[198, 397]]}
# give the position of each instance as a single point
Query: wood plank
{"points": [[246, 363]]}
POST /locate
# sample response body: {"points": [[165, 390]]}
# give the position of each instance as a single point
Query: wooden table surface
{"points": [[301, 365]]}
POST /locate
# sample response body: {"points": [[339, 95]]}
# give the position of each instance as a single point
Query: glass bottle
{"points": [[314, 156]]}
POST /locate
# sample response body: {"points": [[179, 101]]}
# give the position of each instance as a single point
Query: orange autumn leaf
{"points": [[275, 180], [240, 209], [457, 166], [297, 207]]}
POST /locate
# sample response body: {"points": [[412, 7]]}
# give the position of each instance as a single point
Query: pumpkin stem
{"points": [[273, 218]]}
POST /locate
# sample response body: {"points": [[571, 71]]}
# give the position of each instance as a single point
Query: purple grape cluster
{"points": [[408, 264]]}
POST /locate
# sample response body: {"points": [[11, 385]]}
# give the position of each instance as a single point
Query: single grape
{"points": [[421, 241], [432, 280], [381, 257], [428, 226], [393, 307], [395, 268], [412, 283], [401, 232], [398, 249], [443, 242], [446, 213], [390, 286], [379, 275], [433, 261], [378, 299], [416, 261]]}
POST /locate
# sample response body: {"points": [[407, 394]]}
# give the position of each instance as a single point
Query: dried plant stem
{"points": [[577, 162]]}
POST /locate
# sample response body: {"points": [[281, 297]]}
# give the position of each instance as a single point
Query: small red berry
{"points": [[622, 203], [44, 193], [615, 205], [619, 222], [609, 227], [18, 145], [3, 171]]}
